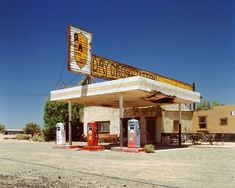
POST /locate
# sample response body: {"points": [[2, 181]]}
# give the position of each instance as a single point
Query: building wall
{"points": [[93, 113], [13, 132], [213, 119], [168, 118], [164, 119], [143, 113]]}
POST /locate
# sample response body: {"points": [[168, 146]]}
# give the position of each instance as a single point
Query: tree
{"points": [[206, 105], [32, 128], [2, 127], [215, 103], [55, 112]]}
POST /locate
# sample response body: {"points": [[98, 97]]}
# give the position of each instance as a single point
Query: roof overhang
{"points": [[136, 91]]}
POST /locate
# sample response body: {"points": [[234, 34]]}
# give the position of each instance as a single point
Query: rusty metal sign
{"points": [[79, 50], [109, 69], [81, 60]]}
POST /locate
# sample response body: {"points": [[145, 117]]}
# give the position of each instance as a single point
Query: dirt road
{"points": [[30, 164]]}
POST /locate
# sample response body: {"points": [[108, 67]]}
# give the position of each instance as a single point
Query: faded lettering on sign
{"points": [[108, 69]]}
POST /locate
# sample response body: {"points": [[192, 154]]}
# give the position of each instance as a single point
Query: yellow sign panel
{"points": [[79, 50], [108, 69]]}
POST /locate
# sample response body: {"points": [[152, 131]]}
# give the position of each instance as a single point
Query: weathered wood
{"points": [[110, 138], [79, 50]]}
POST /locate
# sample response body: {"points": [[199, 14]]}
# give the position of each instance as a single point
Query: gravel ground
{"points": [[29, 164]]}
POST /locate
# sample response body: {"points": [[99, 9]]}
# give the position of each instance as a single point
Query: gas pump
{"points": [[92, 134], [133, 133], [60, 134], [92, 137]]}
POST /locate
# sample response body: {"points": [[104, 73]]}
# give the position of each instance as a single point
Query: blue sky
{"points": [[192, 41]]}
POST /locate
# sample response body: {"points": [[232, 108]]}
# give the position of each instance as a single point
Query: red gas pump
{"points": [[92, 137], [92, 134]]}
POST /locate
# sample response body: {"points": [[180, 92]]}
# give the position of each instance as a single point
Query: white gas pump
{"points": [[133, 133], [60, 134]]}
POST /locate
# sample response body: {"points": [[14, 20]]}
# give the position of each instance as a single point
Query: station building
{"points": [[131, 93], [160, 122], [160, 107], [157, 123], [220, 120], [164, 106]]}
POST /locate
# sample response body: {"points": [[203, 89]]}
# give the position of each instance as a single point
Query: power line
{"points": [[23, 95], [74, 78], [62, 70]]}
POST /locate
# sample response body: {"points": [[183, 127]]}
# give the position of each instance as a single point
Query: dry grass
{"points": [[149, 148]]}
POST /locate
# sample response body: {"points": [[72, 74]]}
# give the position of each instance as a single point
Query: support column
{"points": [[179, 125], [120, 118], [70, 119], [194, 104]]}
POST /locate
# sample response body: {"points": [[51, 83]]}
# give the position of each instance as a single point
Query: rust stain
{"points": [[108, 69]]}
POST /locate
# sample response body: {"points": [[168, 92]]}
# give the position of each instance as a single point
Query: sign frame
{"points": [[79, 61], [111, 70]]}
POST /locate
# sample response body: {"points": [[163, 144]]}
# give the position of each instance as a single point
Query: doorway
{"points": [[77, 131], [151, 130]]}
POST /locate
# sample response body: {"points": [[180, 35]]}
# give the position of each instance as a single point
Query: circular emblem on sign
{"points": [[80, 49]]}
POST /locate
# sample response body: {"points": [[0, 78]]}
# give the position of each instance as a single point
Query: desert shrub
{"points": [[23, 136], [149, 148], [2, 127], [33, 129], [40, 138]]}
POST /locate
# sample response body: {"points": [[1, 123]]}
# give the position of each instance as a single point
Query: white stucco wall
{"points": [[164, 119], [170, 116], [94, 113]]}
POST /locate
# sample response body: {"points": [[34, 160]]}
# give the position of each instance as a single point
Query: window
{"points": [[176, 126], [103, 126], [224, 121], [202, 122]]}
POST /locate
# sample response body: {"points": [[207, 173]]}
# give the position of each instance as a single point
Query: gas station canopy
{"points": [[137, 91]]}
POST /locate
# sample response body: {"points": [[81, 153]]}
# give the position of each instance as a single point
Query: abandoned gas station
{"points": [[129, 93]]}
